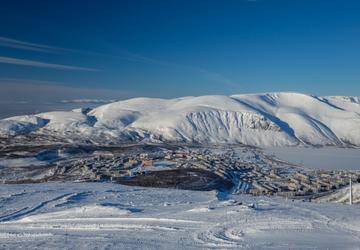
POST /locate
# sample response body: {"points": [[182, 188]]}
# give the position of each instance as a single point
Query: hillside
{"points": [[270, 119], [343, 195]]}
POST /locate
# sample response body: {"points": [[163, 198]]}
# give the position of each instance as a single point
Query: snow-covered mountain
{"points": [[271, 119]]}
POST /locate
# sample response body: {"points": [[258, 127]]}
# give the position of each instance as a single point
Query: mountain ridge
{"points": [[268, 119]]}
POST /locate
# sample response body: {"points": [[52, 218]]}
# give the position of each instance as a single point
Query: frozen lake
{"points": [[329, 158]]}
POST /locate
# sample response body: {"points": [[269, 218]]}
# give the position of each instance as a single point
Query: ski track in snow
{"points": [[108, 216], [27, 211]]}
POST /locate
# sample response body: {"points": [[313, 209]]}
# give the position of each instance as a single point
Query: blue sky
{"points": [[61, 50]]}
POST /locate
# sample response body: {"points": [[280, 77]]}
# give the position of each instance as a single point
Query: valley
{"points": [[232, 168]]}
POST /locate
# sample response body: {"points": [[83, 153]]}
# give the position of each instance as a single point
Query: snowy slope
{"points": [[112, 216], [343, 195], [272, 119]]}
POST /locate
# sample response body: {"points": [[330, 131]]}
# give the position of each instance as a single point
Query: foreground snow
{"points": [[274, 119], [110, 216]]}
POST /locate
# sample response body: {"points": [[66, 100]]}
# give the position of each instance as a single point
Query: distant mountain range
{"points": [[270, 119]]}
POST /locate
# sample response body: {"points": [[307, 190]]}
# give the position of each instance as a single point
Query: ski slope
{"points": [[270, 119], [111, 216], [343, 195]]}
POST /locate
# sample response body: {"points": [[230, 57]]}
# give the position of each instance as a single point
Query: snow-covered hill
{"points": [[272, 119], [343, 195]]}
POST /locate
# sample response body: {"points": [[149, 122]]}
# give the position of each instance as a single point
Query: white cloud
{"points": [[25, 62], [17, 44], [123, 55]]}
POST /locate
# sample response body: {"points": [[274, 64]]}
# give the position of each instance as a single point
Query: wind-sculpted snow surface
{"points": [[112, 216], [273, 119]]}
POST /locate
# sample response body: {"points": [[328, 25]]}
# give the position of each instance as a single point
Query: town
{"points": [[248, 169]]}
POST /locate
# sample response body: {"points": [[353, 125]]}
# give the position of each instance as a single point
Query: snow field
{"points": [[104, 215]]}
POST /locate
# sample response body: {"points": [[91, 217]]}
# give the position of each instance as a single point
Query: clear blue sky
{"points": [[55, 50]]}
